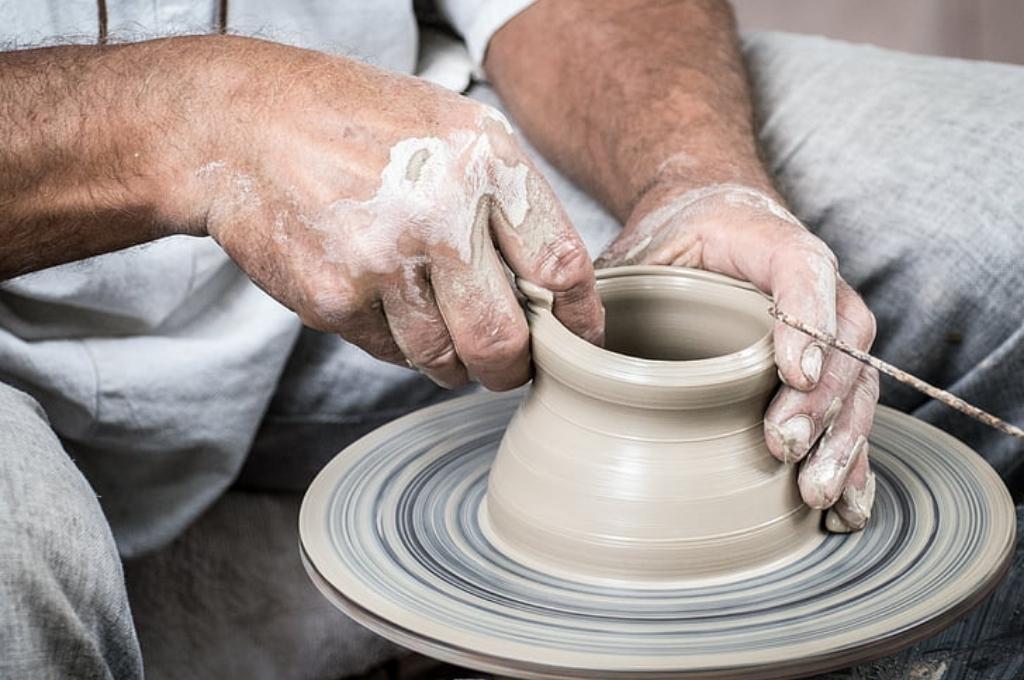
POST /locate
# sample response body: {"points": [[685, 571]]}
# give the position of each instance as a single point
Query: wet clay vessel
{"points": [[632, 525], [644, 461]]}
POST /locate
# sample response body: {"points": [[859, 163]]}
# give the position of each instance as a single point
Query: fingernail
{"points": [[859, 447], [835, 524], [822, 480], [854, 508], [431, 377], [811, 361], [831, 412], [795, 434]]}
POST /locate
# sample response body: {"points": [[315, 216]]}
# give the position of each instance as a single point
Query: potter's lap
{"points": [[35, 470]]}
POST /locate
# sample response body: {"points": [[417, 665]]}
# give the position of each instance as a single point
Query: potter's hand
{"points": [[828, 398], [384, 209]]}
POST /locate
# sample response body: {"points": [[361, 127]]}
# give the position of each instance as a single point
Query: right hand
{"points": [[822, 415], [384, 209]]}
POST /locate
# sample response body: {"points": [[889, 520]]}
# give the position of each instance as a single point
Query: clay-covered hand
{"points": [[823, 412], [389, 211]]}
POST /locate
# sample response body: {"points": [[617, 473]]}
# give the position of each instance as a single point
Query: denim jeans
{"points": [[909, 167]]}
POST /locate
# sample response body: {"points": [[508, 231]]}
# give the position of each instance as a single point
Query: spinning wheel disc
{"points": [[391, 533]]}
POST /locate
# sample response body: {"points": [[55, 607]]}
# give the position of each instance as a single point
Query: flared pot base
{"points": [[656, 568]]}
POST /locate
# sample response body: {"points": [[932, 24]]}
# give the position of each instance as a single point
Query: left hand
{"points": [[827, 397]]}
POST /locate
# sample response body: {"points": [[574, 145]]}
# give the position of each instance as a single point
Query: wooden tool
{"points": [[932, 391]]}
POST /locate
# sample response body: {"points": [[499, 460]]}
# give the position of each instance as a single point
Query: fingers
{"points": [[486, 324], [853, 509], [823, 476], [456, 317], [760, 243], [803, 284], [799, 272], [420, 332], [363, 324], [795, 419], [463, 323], [541, 246]]}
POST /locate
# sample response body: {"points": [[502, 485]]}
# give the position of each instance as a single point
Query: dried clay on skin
{"points": [[650, 233], [853, 510], [241, 191], [431, 190], [437, 192], [822, 477], [794, 437]]}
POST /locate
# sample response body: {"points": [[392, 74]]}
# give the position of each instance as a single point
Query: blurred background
{"points": [[971, 29]]}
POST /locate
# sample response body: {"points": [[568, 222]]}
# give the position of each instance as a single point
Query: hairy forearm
{"points": [[92, 149], [630, 95]]}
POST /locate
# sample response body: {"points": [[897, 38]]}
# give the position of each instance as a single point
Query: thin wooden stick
{"points": [[932, 391]]}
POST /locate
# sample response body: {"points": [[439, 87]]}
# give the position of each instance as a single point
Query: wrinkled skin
{"points": [[823, 412], [386, 210]]}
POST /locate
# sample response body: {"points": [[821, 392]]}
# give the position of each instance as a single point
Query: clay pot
{"points": [[644, 462]]}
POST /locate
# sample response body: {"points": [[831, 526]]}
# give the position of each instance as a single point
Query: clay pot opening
{"points": [[661, 325], [676, 338]]}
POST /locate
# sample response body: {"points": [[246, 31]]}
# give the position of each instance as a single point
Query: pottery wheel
{"points": [[391, 533]]}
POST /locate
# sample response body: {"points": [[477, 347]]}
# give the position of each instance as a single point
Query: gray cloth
{"points": [[230, 599], [63, 607], [909, 167]]}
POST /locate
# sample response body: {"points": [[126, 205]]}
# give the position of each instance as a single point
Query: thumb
{"points": [[540, 245]]}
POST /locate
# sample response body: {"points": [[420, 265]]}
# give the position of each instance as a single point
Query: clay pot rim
{"points": [[560, 351]]}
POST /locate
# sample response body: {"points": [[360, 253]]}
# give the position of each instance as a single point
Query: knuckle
{"points": [[868, 385], [485, 113], [437, 354], [333, 308], [870, 329], [477, 108], [501, 344], [862, 324], [565, 265], [821, 251], [811, 247]]}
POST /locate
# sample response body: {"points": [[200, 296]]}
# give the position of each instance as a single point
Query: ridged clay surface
{"points": [[644, 461]]}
